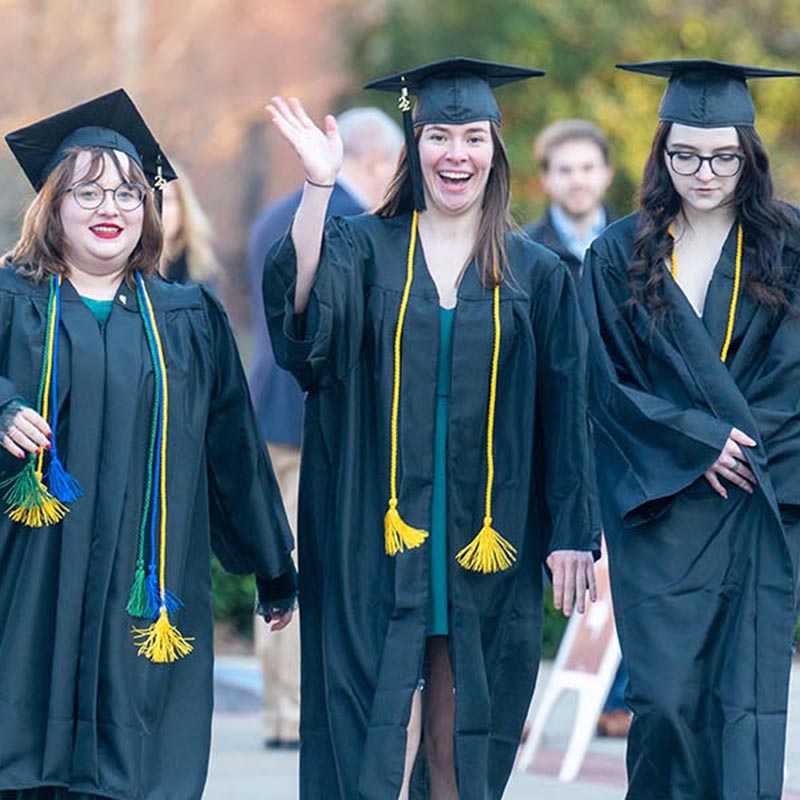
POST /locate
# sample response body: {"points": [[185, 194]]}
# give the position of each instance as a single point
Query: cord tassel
{"points": [[137, 599], [399, 535], [60, 483], [162, 642], [28, 500], [488, 551]]}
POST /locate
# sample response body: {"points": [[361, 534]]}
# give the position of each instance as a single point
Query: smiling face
{"points": [[704, 191], [100, 241], [456, 161]]}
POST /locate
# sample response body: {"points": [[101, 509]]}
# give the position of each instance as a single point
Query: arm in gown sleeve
{"points": [[569, 474], [249, 529], [8, 391], [655, 447], [323, 343]]}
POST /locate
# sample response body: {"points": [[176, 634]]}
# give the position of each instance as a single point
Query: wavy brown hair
{"points": [[40, 250], [495, 223], [768, 224]]}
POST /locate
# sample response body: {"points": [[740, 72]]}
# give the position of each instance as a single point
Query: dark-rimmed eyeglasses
{"points": [[723, 165], [90, 195]]}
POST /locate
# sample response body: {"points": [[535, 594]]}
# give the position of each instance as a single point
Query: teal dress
{"points": [[101, 309], [437, 621]]}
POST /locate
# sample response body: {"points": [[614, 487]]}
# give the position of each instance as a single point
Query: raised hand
{"points": [[732, 465], [320, 151]]}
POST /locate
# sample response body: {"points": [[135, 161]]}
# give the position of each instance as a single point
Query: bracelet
{"points": [[320, 185]]}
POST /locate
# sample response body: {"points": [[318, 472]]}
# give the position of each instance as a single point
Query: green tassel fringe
{"points": [[28, 500], [137, 602]]}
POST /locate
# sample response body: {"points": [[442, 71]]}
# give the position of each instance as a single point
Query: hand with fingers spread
{"points": [[573, 575], [732, 465], [320, 151], [23, 430]]}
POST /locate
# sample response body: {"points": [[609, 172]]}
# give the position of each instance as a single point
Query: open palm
{"points": [[320, 151]]}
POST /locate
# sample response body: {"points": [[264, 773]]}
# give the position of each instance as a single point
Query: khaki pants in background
{"points": [[279, 652]]}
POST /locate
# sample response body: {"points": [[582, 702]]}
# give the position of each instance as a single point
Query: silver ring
{"points": [[735, 466]]}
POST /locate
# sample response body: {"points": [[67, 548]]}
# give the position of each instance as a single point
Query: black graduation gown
{"points": [[364, 614], [79, 708], [705, 589]]}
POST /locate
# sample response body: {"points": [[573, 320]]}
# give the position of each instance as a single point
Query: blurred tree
{"points": [[578, 42]]}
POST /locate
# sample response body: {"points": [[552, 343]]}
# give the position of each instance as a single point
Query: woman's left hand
{"points": [[277, 621], [573, 575]]}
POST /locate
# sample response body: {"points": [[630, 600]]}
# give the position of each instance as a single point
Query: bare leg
{"points": [[438, 717], [414, 731]]}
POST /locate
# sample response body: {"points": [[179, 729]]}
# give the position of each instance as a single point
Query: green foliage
{"points": [[553, 627], [233, 598], [578, 42]]}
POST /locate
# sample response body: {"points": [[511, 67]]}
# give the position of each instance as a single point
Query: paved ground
{"points": [[242, 770]]}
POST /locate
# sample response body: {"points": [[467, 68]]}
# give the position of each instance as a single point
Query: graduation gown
{"points": [[364, 617], [705, 589], [80, 709]]}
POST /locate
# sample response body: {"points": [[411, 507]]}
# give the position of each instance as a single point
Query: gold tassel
{"points": [[400, 535], [162, 642], [488, 551]]}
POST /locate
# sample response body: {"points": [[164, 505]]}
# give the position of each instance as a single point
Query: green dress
{"points": [[101, 309], [437, 623]]}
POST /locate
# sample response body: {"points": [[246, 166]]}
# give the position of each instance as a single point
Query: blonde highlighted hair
{"points": [[194, 237]]}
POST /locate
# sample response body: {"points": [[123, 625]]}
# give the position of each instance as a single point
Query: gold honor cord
{"points": [[398, 535], [489, 551], [737, 280]]}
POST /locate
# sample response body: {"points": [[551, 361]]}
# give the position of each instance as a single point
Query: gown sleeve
{"points": [[249, 529], [8, 390], [655, 448], [322, 344], [569, 475]]}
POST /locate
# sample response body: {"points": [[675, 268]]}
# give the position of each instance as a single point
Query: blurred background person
{"points": [[188, 255], [372, 142], [573, 157]]}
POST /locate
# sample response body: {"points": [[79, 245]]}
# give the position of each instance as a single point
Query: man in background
{"points": [[576, 172], [372, 143], [573, 156]]}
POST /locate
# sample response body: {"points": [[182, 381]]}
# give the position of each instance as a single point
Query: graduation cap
{"points": [[111, 120], [454, 91], [703, 93]]}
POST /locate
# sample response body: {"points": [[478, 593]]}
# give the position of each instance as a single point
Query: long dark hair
{"points": [[768, 225], [495, 223], [40, 250]]}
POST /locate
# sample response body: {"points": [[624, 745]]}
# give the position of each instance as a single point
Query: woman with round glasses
{"points": [[695, 339], [129, 448]]}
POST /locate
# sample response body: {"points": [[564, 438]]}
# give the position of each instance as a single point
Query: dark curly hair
{"points": [[768, 224]]}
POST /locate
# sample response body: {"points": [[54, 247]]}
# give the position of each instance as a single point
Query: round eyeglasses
{"points": [[723, 165], [90, 195]]}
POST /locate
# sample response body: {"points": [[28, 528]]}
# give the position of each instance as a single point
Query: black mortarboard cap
{"points": [[111, 120], [454, 91], [703, 93]]}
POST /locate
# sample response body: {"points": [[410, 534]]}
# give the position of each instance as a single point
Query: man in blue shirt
{"points": [[372, 143], [573, 156], [575, 174]]}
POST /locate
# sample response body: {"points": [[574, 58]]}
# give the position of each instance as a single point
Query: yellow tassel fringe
{"points": [[399, 535], [36, 507], [162, 642], [488, 551]]}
